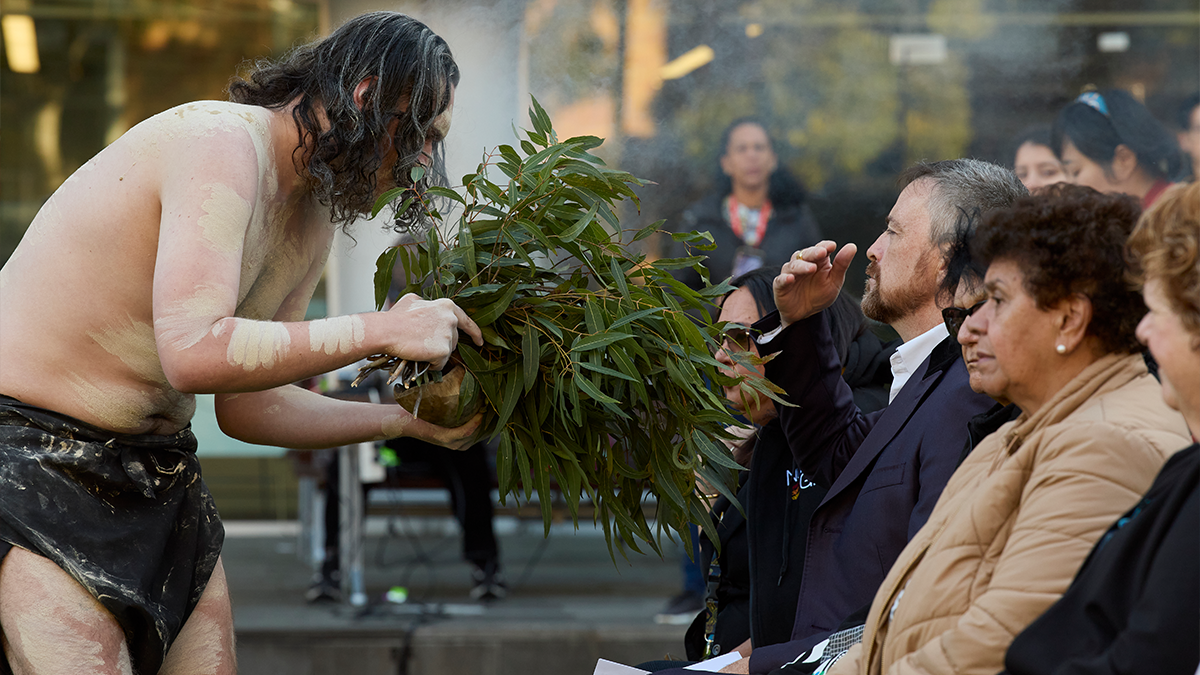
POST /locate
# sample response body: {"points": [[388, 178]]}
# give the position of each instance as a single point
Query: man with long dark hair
{"points": [[181, 260]]}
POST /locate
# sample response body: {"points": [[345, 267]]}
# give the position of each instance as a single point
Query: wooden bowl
{"points": [[447, 403]]}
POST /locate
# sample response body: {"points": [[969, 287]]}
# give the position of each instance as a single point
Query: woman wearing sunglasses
{"points": [[1055, 337], [757, 574]]}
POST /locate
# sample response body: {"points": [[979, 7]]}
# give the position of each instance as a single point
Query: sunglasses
{"points": [[739, 338], [955, 317]]}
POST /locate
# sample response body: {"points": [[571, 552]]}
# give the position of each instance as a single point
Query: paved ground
{"points": [[569, 604]]}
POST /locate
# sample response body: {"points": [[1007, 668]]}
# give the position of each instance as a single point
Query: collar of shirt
{"points": [[909, 356]]}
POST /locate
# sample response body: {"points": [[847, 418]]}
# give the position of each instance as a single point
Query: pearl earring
{"points": [[1061, 349]]}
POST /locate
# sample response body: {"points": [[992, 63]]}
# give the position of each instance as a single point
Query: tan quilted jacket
{"points": [[1016, 521]]}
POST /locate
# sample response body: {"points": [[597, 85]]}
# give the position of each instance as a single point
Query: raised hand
{"points": [[811, 280]]}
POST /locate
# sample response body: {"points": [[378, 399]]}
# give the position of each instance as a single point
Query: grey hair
{"points": [[962, 189]]}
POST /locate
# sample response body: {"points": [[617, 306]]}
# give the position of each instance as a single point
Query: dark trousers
{"points": [[465, 474]]}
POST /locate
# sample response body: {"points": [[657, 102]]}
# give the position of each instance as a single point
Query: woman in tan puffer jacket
{"points": [[1056, 337]]}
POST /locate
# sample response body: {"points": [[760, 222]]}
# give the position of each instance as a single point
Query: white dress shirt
{"points": [[908, 356]]}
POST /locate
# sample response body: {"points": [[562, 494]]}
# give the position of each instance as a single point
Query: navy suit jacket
{"points": [[884, 470]]}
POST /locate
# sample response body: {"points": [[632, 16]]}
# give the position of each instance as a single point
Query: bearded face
{"points": [[887, 299], [904, 262]]}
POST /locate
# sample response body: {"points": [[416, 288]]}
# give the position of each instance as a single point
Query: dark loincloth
{"points": [[127, 516]]}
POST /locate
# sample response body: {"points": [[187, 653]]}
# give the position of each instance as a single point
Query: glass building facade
{"points": [[852, 92]]}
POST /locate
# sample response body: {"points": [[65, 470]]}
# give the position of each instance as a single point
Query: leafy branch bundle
{"points": [[593, 372]]}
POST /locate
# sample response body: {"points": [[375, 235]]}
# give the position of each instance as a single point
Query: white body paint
{"points": [[336, 335], [257, 344], [224, 220]]}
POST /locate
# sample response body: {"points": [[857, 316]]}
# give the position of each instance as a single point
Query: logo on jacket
{"points": [[797, 481]]}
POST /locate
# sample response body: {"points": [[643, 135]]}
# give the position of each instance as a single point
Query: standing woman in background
{"points": [[1111, 143], [758, 213]]}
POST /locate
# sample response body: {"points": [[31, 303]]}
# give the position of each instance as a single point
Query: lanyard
{"points": [[735, 221], [710, 604]]}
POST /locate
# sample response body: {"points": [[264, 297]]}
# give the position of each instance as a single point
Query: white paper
{"points": [[610, 668], [716, 663]]}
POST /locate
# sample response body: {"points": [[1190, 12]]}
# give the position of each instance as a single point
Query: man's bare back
{"points": [[87, 267]]}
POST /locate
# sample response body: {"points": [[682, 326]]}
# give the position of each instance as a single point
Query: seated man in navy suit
{"points": [[884, 470]]}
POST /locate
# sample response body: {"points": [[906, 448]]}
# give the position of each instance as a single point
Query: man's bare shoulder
{"points": [[227, 133], [200, 119], [205, 141]]}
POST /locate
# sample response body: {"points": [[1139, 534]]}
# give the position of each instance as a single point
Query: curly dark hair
{"points": [[1166, 246], [411, 73], [1071, 239]]}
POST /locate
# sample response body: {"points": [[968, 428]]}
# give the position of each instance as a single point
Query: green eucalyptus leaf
{"points": [[606, 371], [649, 230], [383, 275], [597, 341], [466, 252], [487, 315], [634, 316], [531, 352], [541, 121], [447, 193], [387, 198], [509, 398], [575, 230]]}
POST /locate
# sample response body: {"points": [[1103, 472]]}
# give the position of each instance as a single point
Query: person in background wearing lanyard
{"points": [[758, 213], [757, 216]]}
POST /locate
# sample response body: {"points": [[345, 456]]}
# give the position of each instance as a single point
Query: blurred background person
{"points": [[1034, 161], [1135, 604], [1110, 142], [1055, 337], [1188, 134], [758, 213]]}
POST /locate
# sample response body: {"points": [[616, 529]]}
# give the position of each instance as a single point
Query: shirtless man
{"points": [[180, 260]]}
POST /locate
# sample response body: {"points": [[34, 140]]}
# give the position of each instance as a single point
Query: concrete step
{"points": [[569, 604]]}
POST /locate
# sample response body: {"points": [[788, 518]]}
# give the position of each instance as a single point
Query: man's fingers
{"points": [[471, 431], [782, 282], [841, 263], [468, 326]]}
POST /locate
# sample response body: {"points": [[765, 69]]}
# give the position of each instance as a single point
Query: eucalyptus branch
{"points": [[590, 377]]}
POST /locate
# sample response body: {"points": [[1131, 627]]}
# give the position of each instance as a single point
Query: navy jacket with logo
{"points": [[884, 470]]}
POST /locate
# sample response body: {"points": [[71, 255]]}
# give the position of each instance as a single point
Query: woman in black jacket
{"points": [[758, 572]]}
